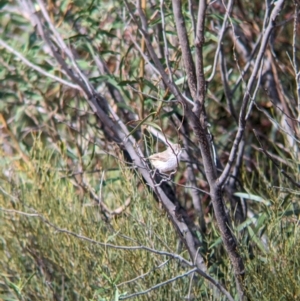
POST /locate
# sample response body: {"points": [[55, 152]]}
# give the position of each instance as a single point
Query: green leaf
{"points": [[252, 197], [245, 224], [216, 243], [261, 221], [256, 239], [154, 125], [117, 295], [140, 124], [181, 80]]}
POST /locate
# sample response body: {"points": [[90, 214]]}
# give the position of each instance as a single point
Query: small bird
{"points": [[167, 160]]}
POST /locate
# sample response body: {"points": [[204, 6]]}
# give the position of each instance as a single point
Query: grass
{"points": [[40, 262]]}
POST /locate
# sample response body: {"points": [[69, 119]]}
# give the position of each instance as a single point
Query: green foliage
{"points": [[56, 162], [276, 273], [42, 262]]}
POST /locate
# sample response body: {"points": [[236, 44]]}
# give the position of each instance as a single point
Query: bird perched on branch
{"points": [[167, 160]]}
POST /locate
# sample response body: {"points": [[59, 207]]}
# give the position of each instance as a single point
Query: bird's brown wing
{"points": [[160, 156]]}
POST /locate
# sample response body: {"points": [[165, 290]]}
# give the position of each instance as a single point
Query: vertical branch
{"points": [[227, 91], [195, 193], [191, 3], [166, 48], [142, 69], [199, 58], [185, 47], [158, 65], [197, 120], [221, 35], [295, 63]]}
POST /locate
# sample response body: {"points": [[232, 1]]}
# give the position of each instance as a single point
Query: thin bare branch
{"points": [[142, 276], [227, 91], [242, 122], [130, 248], [36, 21], [90, 240], [229, 297], [157, 285], [220, 38], [246, 68], [253, 97], [37, 68], [64, 47], [191, 10], [295, 62], [185, 47], [201, 86], [166, 47]]}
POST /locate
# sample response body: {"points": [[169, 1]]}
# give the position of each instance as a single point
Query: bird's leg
{"points": [[153, 173], [171, 174], [162, 180], [166, 178]]}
